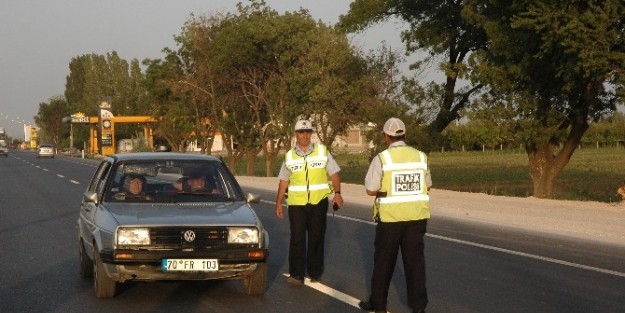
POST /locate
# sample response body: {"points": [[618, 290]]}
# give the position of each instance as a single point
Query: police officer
{"points": [[399, 178], [305, 172]]}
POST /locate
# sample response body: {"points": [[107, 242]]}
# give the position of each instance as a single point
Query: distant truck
{"points": [[2, 133]]}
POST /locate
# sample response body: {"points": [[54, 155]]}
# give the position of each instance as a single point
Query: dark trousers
{"points": [[308, 225], [389, 238]]}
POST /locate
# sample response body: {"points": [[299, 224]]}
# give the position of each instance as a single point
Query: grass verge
{"points": [[593, 174]]}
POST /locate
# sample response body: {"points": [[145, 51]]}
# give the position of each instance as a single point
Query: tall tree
{"points": [[280, 67], [338, 78], [94, 77], [49, 118], [435, 29], [169, 105], [563, 61]]}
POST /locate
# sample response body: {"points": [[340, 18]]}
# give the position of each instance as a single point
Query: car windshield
{"points": [[172, 181]]}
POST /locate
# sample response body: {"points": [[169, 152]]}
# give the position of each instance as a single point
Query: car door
{"points": [[88, 208]]}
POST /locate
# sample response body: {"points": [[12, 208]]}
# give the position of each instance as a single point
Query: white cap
{"points": [[303, 125], [394, 127]]}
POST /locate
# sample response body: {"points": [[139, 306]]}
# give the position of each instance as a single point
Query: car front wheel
{"points": [[103, 285], [255, 283], [86, 265]]}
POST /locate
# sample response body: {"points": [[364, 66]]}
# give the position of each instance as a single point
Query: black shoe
{"points": [[294, 280], [366, 306], [420, 311], [314, 280]]}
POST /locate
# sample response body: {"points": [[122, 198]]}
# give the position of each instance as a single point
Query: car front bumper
{"points": [[146, 265]]}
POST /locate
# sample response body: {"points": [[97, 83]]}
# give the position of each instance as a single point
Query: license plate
{"points": [[190, 265]]}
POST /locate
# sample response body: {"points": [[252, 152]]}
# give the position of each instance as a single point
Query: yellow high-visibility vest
{"points": [[308, 182], [404, 185]]}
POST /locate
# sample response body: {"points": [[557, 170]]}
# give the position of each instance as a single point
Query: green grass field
{"points": [[592, 174]]}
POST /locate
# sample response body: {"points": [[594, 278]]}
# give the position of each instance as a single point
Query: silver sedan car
{"points": [[169, 216], [45, 151], [4, 149]]}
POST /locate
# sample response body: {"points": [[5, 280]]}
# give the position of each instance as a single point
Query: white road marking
{"points": [[330, 292], [508, 251], [352, 301], [531, 256], [59, 175]]}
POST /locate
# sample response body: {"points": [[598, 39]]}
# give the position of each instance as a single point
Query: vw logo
{"points": [[189, 236]]}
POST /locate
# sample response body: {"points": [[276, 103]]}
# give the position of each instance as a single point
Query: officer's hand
{"points": [[279, 212], [338, 199]]}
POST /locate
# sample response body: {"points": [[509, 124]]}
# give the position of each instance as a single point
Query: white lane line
{"points": [[330, 292], [531, 256], [502, 250], [59, 175]]}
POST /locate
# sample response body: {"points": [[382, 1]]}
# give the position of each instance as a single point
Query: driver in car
{"points": [[195, 183]]}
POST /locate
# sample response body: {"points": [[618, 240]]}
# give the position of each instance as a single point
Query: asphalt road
{"points": [[471, 268]]}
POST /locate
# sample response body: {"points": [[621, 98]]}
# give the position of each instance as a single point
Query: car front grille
{"points": [[174, 237]]}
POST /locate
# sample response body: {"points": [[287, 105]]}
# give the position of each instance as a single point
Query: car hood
{"points": [[214, 214]]}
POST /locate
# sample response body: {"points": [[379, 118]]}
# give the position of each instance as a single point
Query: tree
{"points": [[560, 62], [49, 118], [94, 77], [437, 29], [167, 104], [339, 81], [269, 69], [258, 49]]}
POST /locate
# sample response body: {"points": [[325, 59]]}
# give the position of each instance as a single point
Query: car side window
{"points": [[99, 179], [96, 175]]}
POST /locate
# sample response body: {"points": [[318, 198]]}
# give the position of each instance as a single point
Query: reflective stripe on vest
{"points": [[404, 182], [308, 182]]}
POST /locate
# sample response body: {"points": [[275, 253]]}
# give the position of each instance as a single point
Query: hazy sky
{"points": [[38, 39]]}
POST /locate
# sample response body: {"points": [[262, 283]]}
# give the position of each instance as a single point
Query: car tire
{"points": [[86, 264], [104, 286], [256, 282]]}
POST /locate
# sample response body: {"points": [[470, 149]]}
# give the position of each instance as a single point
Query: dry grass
{"points": [[592, 174]]}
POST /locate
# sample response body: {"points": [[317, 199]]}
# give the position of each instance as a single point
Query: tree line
{"points": [[537, 72]]}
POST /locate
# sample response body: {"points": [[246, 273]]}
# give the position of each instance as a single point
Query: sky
{"points": [[38, 39]]}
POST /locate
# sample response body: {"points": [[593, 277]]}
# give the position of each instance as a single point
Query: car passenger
{"points": [[133, 188]]}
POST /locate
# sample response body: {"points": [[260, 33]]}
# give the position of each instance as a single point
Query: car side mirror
{"points": [[252, 198], [90, 196]]}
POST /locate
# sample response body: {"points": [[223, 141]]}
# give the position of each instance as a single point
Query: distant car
{"points": [[162, 148], [4, 149], [139, 222], [45, 151]]}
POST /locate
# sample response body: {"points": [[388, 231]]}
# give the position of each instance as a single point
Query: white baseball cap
{"points": [[303, 125], [394, 127]]}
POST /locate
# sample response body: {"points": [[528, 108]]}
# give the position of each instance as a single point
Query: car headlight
{"points": [[133, 236], [242, 235]]}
